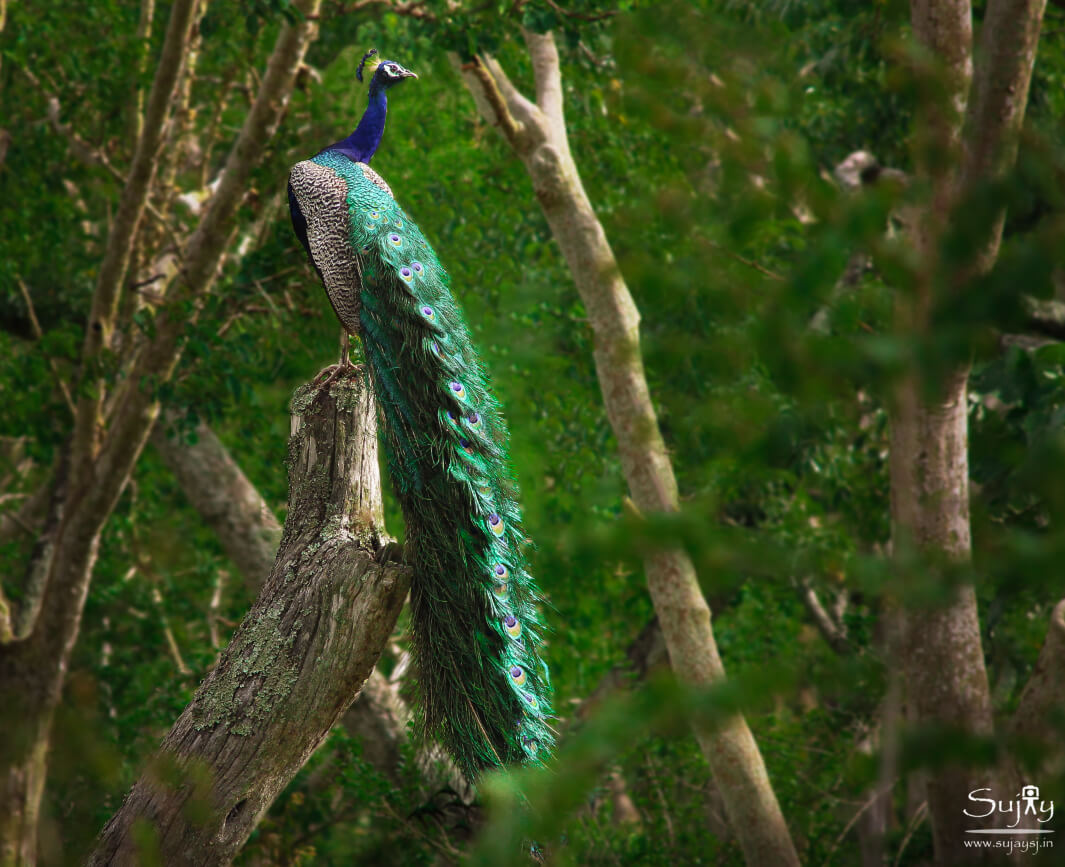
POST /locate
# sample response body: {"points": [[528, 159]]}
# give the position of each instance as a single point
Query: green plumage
{"points": [[475, 625]]}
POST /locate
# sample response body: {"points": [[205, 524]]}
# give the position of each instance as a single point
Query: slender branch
{"points": [[874, 800], [138, 183], [120, 242], [918, 817], [214, 608], [1008, 41], [750, 263], [834, 633], [143, 43], [168, 633], [548, 74], [490, 94], [520, 106]]}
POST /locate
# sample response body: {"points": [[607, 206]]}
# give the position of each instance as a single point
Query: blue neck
{"points": [[361, 145]]}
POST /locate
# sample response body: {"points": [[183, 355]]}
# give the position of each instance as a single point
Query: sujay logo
{"points": [[1009, 814]]}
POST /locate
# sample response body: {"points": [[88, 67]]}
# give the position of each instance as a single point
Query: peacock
{"points": [[476, 630]]}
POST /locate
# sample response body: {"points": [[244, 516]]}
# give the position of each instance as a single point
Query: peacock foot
{"points": [[326, 376]]}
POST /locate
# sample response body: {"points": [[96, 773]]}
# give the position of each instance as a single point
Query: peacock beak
{"points": [[408, 74]]}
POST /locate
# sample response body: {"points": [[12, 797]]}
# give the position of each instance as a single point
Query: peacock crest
{"points": [[368, 65]]}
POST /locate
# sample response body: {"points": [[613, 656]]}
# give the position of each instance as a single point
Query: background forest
{"points": [[804, 201]]}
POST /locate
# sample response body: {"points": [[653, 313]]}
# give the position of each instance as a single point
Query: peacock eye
{"points": [[512, 626]]}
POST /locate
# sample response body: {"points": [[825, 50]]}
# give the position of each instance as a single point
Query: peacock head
{"points": [[383, 73]]}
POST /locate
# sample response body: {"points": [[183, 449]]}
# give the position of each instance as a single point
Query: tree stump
{"points": [[296, 661]]}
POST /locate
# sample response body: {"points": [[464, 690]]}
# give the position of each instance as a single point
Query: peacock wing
{"points": [[318, 200]]}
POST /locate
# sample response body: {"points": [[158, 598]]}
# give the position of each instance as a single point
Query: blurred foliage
{"points": [[706, 134]]}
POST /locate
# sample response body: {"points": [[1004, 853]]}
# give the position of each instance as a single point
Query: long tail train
{"points": [[475, 625]]}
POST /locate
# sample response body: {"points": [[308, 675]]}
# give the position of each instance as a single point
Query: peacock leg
{"points": [[345, 349], [341, 367]]}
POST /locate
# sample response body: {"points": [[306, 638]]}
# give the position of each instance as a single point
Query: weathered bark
{"points": [[228, 503], [946, 680], [296, 661], [536, 132], [96, 464]]}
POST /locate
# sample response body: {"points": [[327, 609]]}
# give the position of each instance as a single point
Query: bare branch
{"points": [[520, 106], [488, 95], [834, 633], [143, 44], [1008, 41], [215, 606], [544, 56], [168, 633], [120, 241], [138, 183]]}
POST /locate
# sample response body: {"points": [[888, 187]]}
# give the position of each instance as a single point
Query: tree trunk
{"points": [[946, 681], [296, 661], [537, 134], [961, 142]]}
